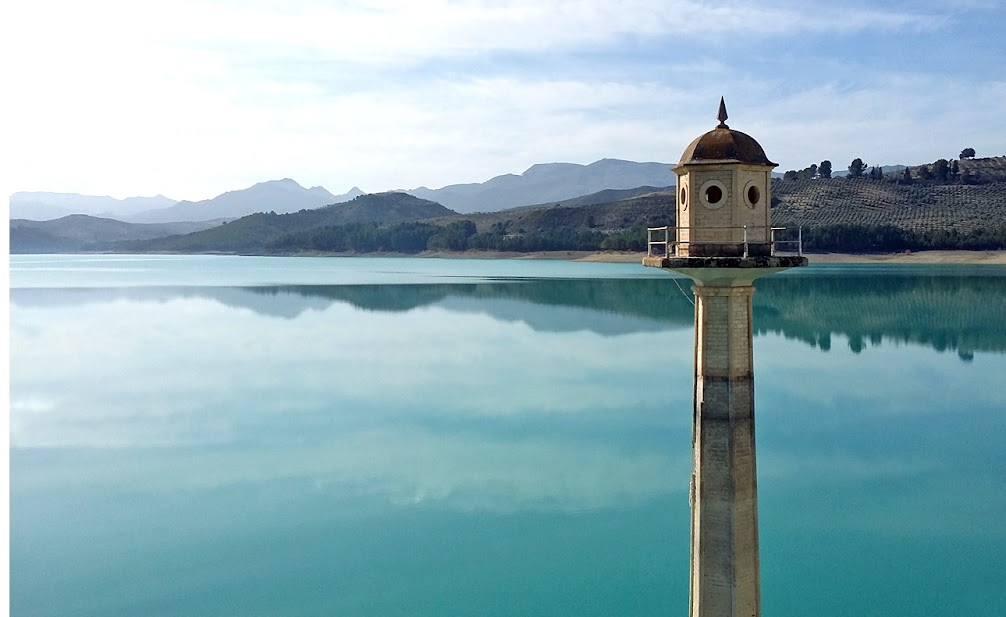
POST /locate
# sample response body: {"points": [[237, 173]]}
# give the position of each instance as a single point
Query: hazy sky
{"points": [[193, 98]]}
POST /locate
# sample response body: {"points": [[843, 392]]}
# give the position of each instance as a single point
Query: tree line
{"points": [[416, 237], [462, 235], [853, 238], [941, 170]]}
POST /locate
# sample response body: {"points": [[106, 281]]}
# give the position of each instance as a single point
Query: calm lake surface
{"points": [[355, 436]]}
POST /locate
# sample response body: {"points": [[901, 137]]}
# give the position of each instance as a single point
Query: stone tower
{"points": [[724, 180], [723, 241]]}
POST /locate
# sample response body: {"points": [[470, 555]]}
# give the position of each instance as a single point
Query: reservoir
{"points": [[218, 435]]}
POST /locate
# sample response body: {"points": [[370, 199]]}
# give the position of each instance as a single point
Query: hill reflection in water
{"points": [[947, 312], [944, 312]]}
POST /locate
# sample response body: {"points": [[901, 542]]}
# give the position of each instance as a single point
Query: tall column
{"points": [[725, 579]]}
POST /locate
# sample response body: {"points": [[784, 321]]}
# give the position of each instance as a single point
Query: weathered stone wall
{"points": [[725, 576], [721, 224]]}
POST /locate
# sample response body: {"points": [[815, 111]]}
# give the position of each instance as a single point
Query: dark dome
{"points": [[724, 145]]}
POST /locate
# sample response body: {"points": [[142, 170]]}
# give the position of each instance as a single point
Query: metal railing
{"points": [[670, 244], [797, 244]]}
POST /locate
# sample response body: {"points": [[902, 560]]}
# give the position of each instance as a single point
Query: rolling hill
{"points": [[78, 232], [920, 206], [652, 208], [251, 234], [812, 203]]}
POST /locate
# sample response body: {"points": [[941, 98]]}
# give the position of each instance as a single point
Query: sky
{"points": [[190, 98]]}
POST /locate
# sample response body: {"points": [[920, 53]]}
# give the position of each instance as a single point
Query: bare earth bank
{"points": [[919, 257]]}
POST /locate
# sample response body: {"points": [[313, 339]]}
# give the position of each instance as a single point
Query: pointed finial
{"points": [[722, 115]]}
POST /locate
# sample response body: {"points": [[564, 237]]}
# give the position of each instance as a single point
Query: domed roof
{"points": [[724, 145]]}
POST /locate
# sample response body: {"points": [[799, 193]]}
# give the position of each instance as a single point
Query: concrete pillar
{"points": [[724, 499]]}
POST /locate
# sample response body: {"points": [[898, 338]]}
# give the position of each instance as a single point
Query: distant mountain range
{"points": [[548, 182], [42, 206], [279, 196], [262, 218], [543, 183], [969, 210]]}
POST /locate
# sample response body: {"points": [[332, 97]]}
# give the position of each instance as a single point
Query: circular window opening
{"points": [[684, 196], [713, 194], [753, 195]]}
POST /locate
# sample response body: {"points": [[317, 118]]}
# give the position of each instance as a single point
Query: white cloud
{"points": [[366, 367], [393, 31], [407, 465], [345, 399], [382, 31], [890, 119], [195, 98], [31, 405]]}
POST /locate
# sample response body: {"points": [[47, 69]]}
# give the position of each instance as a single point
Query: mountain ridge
{"points": [[42, 205], [539, 183], [547, 182], [281, 196]]}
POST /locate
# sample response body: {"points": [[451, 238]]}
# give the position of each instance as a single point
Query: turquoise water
{"points": [[356, 436]]}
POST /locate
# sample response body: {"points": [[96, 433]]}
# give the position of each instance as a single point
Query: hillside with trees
{"points": [[77, 232], [258, 233], [944, 205], [958, 204]]}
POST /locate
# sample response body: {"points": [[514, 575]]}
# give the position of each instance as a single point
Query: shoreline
{"points": [[910, 257], [917, 257]]}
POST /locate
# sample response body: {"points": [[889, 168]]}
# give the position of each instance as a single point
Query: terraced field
{"points": [[871, 202], [917, 207]]}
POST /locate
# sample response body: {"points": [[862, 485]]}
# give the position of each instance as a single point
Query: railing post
{"points": [[745, 242], [799, 242]]}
